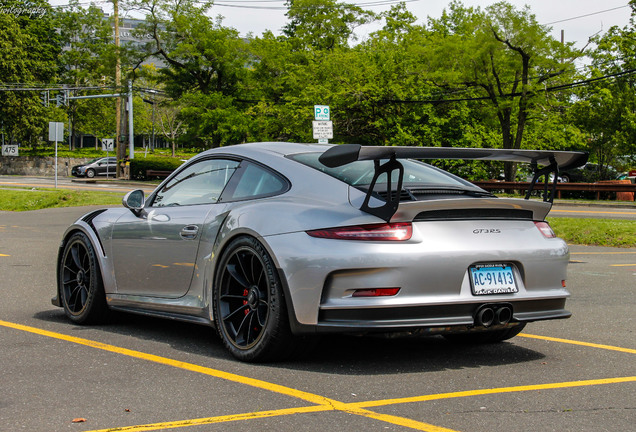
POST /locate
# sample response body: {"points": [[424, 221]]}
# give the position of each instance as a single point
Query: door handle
{"points": [[189, 232]]}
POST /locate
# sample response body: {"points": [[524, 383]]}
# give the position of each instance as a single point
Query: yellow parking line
{"points": [[622, 265], [321, 403], [4, 255], [325, 404], [175, 363], [355, 408], [219, 419], [573, 342], [482, 392]]}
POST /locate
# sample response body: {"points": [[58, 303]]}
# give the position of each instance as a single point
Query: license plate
{"points": [[490, 279]]}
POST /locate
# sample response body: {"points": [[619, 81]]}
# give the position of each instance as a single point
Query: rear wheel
{"points": [[490, 336], [81, 288], [249, 306]]}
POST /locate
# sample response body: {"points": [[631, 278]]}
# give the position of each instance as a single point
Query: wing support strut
{"points": [[548, 195], [388, 209]]}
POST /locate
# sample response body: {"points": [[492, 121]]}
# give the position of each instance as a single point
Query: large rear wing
{"points": [[550, 162]]}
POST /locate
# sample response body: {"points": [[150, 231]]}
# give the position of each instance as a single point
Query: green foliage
{"points": [[63, 152], [473, 77], [28, 51], [501, 53], [323, 24], [606, 109]]}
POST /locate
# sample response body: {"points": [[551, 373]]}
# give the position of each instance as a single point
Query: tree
{"points": [[87, 60], [28, 51], [199, 52], [170, 122], [205, 67], [505, 55], [323, 24], [606, 107]]}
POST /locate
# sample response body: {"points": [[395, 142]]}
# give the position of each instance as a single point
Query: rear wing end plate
{"points": [[550, 162]]}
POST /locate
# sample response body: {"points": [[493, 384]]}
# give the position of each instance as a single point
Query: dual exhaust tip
{"points": [[489, 315]]}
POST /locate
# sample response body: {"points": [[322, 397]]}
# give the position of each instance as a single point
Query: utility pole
{"points": [[118, 140], [131, 130]]}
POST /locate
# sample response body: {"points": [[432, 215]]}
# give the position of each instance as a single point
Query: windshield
{"points": [[360, 173]]}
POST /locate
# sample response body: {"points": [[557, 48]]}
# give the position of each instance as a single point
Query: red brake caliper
{"points": [[245, 294]]}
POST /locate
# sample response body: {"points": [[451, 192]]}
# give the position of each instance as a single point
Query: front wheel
{"points": [[90, 173], [485, 337], [81, 288], [249, 306]]}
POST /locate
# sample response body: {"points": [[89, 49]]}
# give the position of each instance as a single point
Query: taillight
{"points": [[377, 232], [545, 229], [375, 292]]}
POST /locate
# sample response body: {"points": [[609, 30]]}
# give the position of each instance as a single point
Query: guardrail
{"points": [[625, 191]]}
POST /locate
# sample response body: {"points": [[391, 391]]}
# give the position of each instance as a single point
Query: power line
{"points": [[516, 94], [586, 15], [230, 3]]}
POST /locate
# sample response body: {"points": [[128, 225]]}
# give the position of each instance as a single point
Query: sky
{"points": [[579, 19]]}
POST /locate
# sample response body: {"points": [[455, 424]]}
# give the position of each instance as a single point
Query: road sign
{"points": [[108, 144], [56, 131], [10, 150], [321, 112], [323, 129]]}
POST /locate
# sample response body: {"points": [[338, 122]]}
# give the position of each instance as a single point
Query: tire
{"points": [[90, 173], [249, 306], [565, 178], [80, 281], [486, 337]]}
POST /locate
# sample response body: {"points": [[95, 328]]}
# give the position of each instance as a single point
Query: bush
{"points": [[139, 166]]}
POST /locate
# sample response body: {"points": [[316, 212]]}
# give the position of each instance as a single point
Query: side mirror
{"points": [[134, 201]]}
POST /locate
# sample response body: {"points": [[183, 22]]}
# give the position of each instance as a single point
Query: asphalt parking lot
{"points": [[141, 374]]}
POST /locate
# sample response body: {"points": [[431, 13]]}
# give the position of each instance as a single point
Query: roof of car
{"points": [[281, 148]]}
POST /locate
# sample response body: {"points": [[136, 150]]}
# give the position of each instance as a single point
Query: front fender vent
{"points": [[89, 217], [89, 221]]}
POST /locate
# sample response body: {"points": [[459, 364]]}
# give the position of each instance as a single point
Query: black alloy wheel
{"points": [[80, 282], [249, 306]]}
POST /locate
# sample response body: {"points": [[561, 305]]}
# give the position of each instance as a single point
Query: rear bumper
{"points": [[436, 316]]}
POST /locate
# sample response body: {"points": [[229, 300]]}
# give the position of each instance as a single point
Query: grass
{"points": [[595, 232], [28, 199]]}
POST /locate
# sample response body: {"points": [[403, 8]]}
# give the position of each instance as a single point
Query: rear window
{"points": [[360, 173]]}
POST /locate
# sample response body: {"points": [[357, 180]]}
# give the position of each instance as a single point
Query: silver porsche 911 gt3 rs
{"points": [[268, 242]]}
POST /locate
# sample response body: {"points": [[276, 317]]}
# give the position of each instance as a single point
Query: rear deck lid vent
{"points": [[474, 214]]}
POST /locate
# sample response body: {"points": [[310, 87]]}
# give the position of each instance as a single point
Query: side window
{"points": [[256, 182], [200, 183]]}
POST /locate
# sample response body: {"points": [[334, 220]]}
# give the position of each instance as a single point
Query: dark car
{"points": [[589, 173], [99, 166]]}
